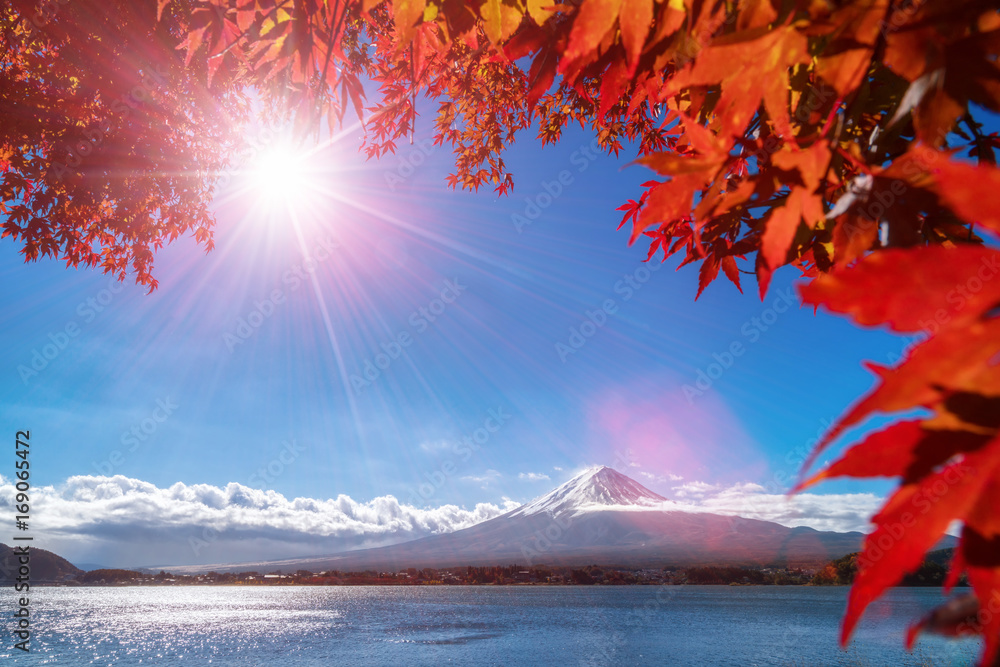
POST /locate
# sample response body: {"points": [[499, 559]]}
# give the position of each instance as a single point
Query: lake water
{"points": [[485, 625]]}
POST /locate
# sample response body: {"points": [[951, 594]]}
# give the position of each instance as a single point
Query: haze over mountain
{"points": [[599, 516]]}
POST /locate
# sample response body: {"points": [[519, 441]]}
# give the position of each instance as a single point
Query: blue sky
{"points": [[168, 388]]}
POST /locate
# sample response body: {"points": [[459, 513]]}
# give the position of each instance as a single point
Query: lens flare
{"points": [[283, 175]]}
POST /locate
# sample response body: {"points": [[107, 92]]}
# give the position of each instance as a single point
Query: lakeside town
{"points": [[838, 572]]}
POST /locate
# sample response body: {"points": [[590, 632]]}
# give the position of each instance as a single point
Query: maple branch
{"points": [[979, 138], [780, 199], [334, 29], [413, 94], [243, 34], [829, 118]]}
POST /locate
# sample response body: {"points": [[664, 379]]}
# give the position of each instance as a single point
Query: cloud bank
{"points": [[123, 522], [841, 512]]}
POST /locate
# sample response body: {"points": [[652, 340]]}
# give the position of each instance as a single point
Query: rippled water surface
{"points": [[512, 625]]}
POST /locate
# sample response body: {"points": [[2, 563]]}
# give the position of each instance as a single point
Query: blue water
{"points": [[512, 625]]}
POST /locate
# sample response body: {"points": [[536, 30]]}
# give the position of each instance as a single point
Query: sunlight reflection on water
{"points": [[717, 625]]}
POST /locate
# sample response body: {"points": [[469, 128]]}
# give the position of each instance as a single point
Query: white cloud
{"points": [[694, 489], [842, 512], [557, 468], [487, 477], [533, 476], [669, 477], [435, 446], [119, 521]]}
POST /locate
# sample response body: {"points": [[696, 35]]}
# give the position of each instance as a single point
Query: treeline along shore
{"points": [[51, 569], [839, 572]]}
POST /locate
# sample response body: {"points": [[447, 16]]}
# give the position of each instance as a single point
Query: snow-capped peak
{"points": [[597, 488]]}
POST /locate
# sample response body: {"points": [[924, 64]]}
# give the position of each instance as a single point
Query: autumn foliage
{"points": [[838, 137]]}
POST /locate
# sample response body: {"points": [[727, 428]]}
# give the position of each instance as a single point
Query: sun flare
{"points": [[282, 174]]}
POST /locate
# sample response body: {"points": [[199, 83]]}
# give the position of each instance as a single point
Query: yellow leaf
{"points": [[500, 20], [538, 12], [407, 14]]}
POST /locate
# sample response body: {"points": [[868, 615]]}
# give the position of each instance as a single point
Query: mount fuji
{"points": [[600, 516]]}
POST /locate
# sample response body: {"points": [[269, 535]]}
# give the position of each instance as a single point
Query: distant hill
{"points": [[88, 567], [600, 516], [110, 576], [46, 567]]}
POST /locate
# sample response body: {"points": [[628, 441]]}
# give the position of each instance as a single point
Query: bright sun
{"points": [[282, 175]]}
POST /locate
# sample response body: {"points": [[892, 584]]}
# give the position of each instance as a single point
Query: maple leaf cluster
{"points": [[837, 137], [105, 136]]}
